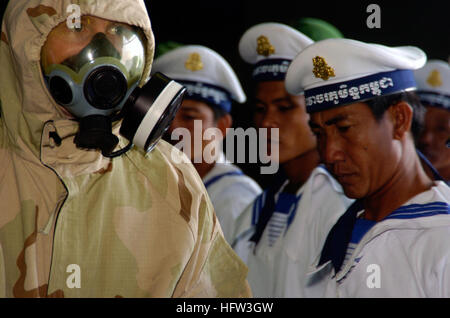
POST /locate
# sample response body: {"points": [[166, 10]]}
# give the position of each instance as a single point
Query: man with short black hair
{"points": [[280, 235], [381, 246], [433, 82]]}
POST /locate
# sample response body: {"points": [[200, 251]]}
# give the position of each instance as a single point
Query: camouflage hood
{"points": [[134, 226], [27, 104]]}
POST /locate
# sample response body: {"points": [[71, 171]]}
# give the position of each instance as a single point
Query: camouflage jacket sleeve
{"points": [[2, 275], [214, 269]]}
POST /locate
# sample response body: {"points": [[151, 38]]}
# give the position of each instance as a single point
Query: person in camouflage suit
{"points": [[135, 226]]}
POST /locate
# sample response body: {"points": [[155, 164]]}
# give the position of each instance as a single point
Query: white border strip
{"points": [[155, 112]]}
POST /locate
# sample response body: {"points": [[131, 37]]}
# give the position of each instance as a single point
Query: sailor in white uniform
{"points": [[230, 191], [211, 86], [282, 233], [433, 85], [393, 240]]}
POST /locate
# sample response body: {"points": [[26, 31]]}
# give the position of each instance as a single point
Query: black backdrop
{"points": [[219, 25]]}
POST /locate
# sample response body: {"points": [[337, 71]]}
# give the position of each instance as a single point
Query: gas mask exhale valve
{"points": [[95, 132], [99, 85]]}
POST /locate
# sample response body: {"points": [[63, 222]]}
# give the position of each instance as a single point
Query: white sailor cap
{"points": [[206, 75], [433, 84], [271, 47], [336, 72]]}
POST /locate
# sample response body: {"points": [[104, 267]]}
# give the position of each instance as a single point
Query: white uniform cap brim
{"points": [[425, 83], [287, 42], [350, 59], [216, 70]]}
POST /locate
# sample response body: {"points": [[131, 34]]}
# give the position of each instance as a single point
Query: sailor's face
{"points": [[276, 108], [196, 117], [357, 149], [434, 136]]}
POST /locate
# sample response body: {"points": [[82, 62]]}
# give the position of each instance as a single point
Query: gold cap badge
{"points": [[264, 46], [194, 62], [434, 79], [321, 68]]}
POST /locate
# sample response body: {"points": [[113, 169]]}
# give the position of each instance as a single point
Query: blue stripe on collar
{"points": [[427, 162], [294, 212], [338, 238], [335, 246], [257, 207], [413, 211]]}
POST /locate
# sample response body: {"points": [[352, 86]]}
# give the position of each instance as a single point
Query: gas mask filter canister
{"points": [[100, 85]]}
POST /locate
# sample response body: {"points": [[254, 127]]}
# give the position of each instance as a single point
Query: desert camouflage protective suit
{"points": [[137, 226]]}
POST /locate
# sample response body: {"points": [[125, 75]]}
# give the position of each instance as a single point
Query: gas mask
{"points": [[99, 85]]}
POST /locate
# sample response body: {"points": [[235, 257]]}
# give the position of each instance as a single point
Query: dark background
{"points": [[220, 24]]}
